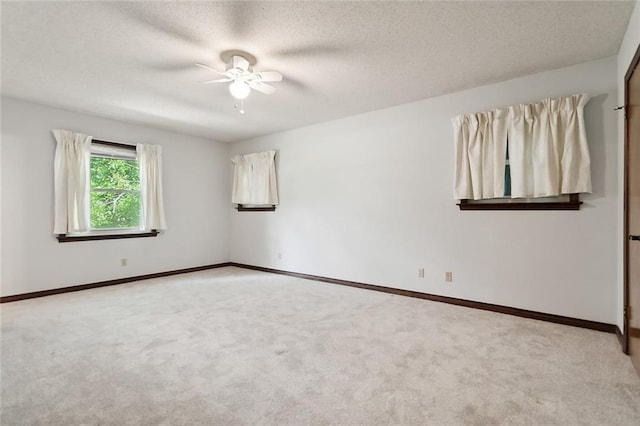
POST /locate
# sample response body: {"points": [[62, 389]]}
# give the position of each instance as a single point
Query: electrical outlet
{"points": [[421, 273], [123, 261], [448, 277]]}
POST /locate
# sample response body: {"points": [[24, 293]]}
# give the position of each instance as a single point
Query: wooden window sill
{"points": [[63, 238], [522, 206], [242, 208], [573, 203]]}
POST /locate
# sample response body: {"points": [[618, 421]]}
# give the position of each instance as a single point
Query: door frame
{"points": [[625, 256]]}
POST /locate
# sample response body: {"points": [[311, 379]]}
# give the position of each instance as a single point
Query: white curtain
{"points": [[71, 182], [254, 179], [548, 151], [150, 164], [480, 152]]}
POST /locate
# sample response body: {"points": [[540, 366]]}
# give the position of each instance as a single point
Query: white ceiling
{"points": [[134, 60]]}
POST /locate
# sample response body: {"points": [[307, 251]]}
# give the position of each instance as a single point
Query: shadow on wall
{"points": [[594, 116]]}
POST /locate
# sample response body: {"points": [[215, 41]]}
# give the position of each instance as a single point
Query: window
{"points": [[524, 157], [115, 191], [558, 202], [254, 181], [106, 190]]}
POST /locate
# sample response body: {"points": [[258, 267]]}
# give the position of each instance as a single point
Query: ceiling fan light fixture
{"points": [[239, 89], [239, 71]]}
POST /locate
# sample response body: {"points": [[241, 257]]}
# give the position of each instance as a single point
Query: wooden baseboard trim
{"points": [[24, 296], [558, 319]]}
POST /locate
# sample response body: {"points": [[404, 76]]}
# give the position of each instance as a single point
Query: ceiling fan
{"points": [[240, 73]]}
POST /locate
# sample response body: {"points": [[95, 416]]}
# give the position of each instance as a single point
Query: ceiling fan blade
{"points": [[219, 80], [239, 62], [268, 75], [262, 87], [207, 67]]}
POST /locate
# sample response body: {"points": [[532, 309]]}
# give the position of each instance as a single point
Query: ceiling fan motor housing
{"points": [[238, 66]]}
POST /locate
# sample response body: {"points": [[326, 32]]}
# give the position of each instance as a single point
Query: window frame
{"points": [[94, 190], [109, 233], [248, 207]]}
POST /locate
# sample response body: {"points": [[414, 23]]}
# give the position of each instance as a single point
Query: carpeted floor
{"points": [[238, 347]]}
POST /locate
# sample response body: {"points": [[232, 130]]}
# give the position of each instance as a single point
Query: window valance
{"points": [[254, 179], [545, 142]]}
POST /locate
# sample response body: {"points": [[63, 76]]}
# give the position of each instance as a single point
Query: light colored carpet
{"points": [[238, 347]]}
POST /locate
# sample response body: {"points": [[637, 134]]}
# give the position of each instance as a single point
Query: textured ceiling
{"points": [[134, 60]]}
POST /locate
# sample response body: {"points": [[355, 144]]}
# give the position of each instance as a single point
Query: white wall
{"points": [[196, 185], [369, 198], [628, 48], [365, 198]]}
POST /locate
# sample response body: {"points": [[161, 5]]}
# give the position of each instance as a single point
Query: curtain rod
{"points": [[119, 145]]}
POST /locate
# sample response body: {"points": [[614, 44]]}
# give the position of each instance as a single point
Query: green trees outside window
{"points": [[115, 193]]}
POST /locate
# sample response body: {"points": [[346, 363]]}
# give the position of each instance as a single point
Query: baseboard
{"points": [[558, 319], [16, 297]]}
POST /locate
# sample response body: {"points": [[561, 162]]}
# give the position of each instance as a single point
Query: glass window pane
{"points": [[115, 209], [507, 181], [507, 174], [114, 173]]}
